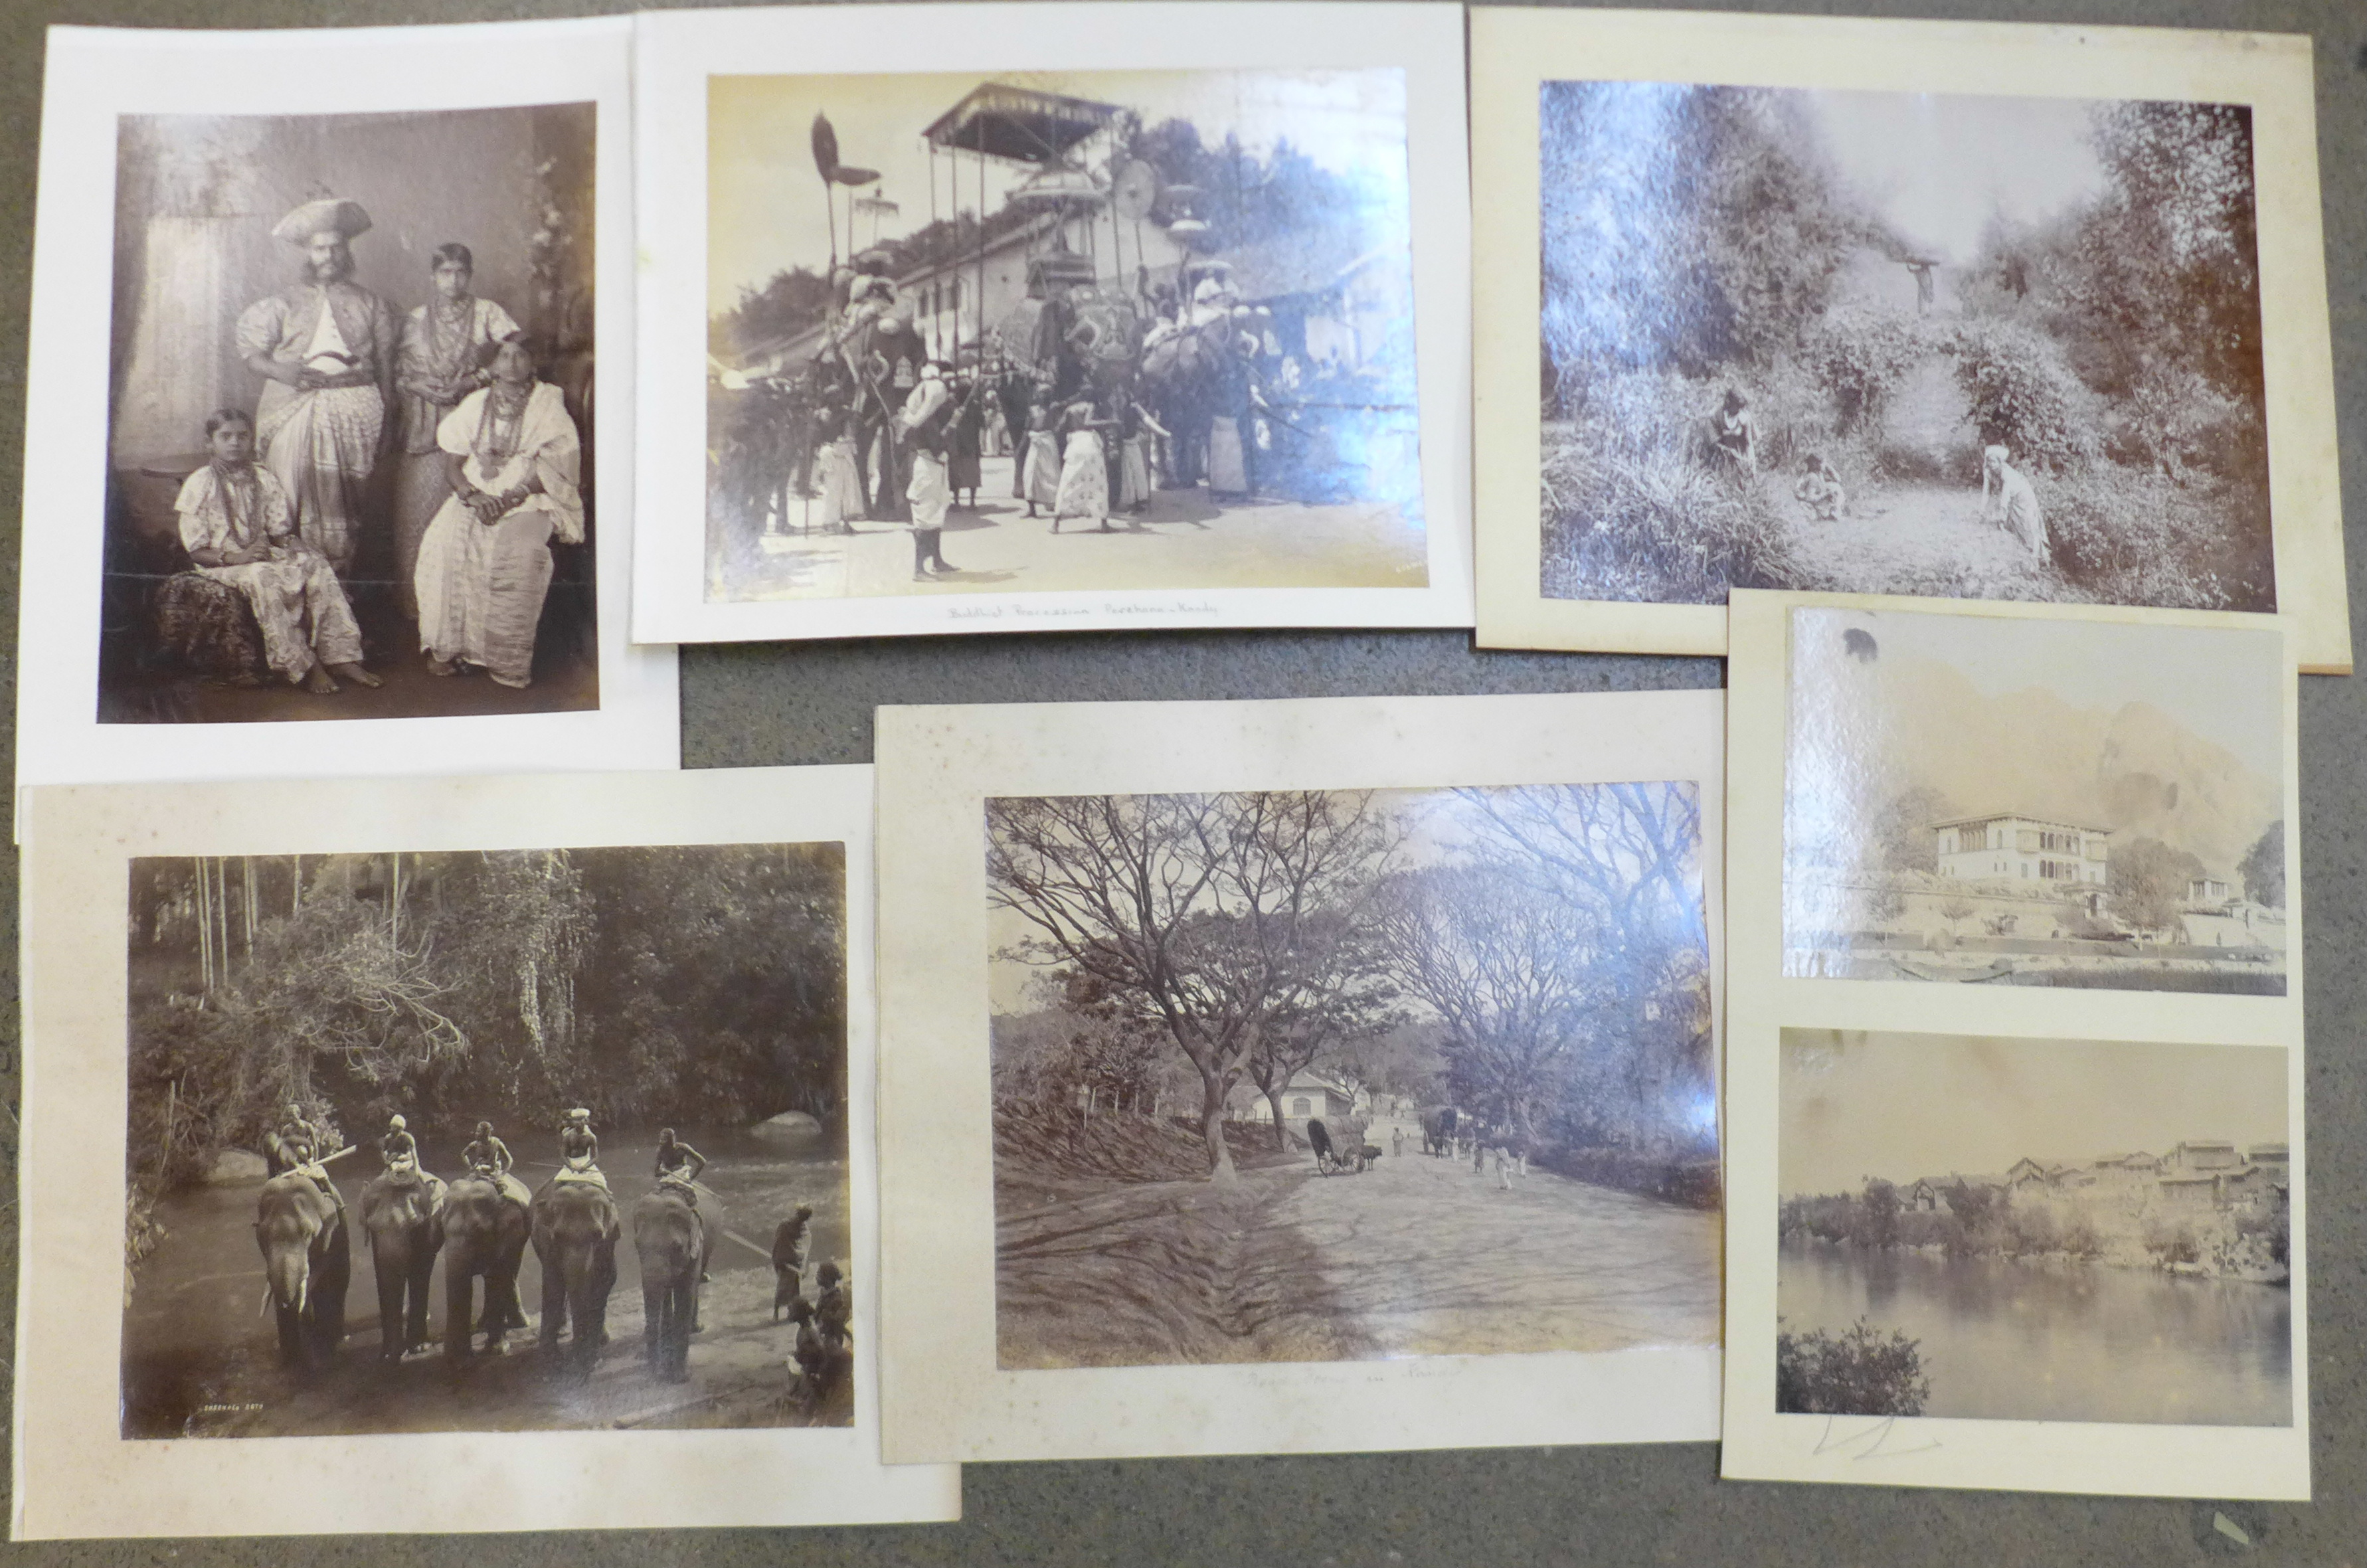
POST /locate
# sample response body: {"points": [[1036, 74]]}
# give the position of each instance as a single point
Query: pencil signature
{"points": [[1871, 1442]]}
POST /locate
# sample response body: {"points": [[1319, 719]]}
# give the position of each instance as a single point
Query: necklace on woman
{"points": [[236, 483]]}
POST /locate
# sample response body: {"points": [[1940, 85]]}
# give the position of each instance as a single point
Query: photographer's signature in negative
{"points": [[1872, 1442]]}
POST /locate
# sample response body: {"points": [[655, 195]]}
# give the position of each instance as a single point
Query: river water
{"points": [[2058, 1342], [194, 1334]]}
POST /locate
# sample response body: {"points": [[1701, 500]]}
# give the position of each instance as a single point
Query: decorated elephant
{"points": [[576, 1233], [1438, 1130], [674, 1238], [308, 1262], [404, 1222], [1192, 374], [484, 1229]]}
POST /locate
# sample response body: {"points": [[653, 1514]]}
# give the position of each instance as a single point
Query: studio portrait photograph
{"points": [[349, 469]]}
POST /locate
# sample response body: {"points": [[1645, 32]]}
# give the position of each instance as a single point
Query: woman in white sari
{"points": [[512, 457]]}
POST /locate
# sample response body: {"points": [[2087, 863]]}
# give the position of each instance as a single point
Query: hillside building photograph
{"points": [[1981, 801]]}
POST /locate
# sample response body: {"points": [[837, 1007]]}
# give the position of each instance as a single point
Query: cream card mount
{"points": [[317, 239], [2016, 1156], [1119, 1222], [2046, 320], [493, 949], [1196, 279]]}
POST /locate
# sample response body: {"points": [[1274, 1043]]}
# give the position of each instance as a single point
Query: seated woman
{"points": [[240, 530], [512, 455]]}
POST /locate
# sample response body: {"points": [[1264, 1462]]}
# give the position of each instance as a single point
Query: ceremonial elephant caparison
{"points": [[308, 1261], [575, 1235], [675, 1240]]}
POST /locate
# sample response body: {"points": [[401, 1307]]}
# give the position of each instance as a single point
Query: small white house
{"points": [[2003, 847]]}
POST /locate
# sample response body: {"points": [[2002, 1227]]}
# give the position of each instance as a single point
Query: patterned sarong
{"points": [[320, 446]]}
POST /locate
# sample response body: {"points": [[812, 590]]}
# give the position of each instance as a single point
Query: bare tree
{"points": [[1121, 887], [1515, 974]]}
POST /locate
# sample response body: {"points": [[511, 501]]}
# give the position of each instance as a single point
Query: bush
{"points": [[1694, 1183], [2024, 394], [1631, 513], [2131, 537], [1860, 1373], [2171, 1241], [1862, 355]]}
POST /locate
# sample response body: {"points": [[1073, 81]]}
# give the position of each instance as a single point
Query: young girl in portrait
{"points": [[240, 530]]}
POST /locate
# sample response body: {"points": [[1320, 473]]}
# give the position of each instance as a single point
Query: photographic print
{"points": [[1042, 331], [502, 1140], [1892, 343], [1301, 1077], [476, 1149], [2033, 1230], [349, 469], [312, 429], [1942, 310], [1979, 800], [1324, 1076]]}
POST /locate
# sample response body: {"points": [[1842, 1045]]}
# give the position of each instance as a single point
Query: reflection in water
{"points": [[2037, 1342]]}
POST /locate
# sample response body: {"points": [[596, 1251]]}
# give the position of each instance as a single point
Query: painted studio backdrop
{"points": [[226, 242]]}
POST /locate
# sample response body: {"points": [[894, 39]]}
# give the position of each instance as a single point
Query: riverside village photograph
{"points": [[1982, 801], [1342, 1075], [2033, 1230], [1061, 331], [1900, 342], [488, 1141], [349, 449]]}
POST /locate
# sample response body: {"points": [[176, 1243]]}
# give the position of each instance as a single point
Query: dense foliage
{"points": [[1861, 1372], [694, 984]]}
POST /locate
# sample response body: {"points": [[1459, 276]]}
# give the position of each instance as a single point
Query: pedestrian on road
{"points": [[1397, 1143], [1503, 1167], [1478, 1155]]}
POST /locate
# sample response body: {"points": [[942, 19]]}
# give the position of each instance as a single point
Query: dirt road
{"points": [[1923, 539], [1431, 1259], [1413, 1256]]}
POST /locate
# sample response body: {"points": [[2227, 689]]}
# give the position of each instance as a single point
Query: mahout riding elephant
{"points": [[881, 357], [404, 1220], [308, 1261], [1438, 1128], [575, 1234], [674, 1239], [484, 1230]]}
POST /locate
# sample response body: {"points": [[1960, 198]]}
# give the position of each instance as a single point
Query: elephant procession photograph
{"points": [[1108, 330], [488, 1141]]}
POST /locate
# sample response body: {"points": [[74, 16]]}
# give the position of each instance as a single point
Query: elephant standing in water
{"points": [[674, 1239], [575, 1234], [308, 1261], [484, 1230], [405, 1223]]}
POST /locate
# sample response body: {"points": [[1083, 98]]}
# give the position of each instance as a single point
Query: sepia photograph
{"points": [[1336, 1075], [1057, 331], [1928, 343], [2033, 1230], [349, 452], [488, 1141], [2021, 801]]}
